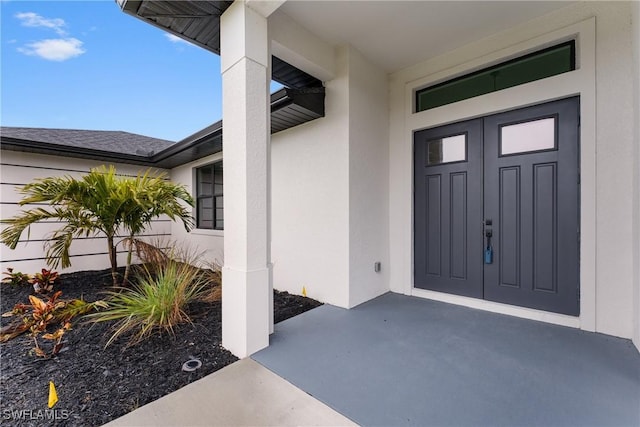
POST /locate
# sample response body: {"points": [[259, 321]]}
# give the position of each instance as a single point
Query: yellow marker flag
{"points": [[53, 396], [304, 291]]}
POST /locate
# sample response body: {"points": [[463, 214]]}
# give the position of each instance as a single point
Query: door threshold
{"points": [[496, 307]]}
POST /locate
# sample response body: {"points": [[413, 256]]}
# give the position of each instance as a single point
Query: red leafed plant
{"points": [[40, 316], [15, 278], [43, 282]]}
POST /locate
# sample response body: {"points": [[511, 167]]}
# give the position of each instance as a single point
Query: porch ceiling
{"points": [[391, 34], [397, 34]]}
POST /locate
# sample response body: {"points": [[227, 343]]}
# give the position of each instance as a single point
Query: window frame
{"points": [[555, 118], [213, 196], [465, 134]]}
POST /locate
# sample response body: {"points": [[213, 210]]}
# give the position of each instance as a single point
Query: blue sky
{"points": [[87, 65]]}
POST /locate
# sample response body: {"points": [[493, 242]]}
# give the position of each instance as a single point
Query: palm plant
{"points": [[153, 196], [101, 202]]}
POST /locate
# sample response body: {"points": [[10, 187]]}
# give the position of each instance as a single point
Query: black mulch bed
{"points": [[97, 384]]}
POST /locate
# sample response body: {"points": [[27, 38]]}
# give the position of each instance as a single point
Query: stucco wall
{"points": [[88, 253], [209, 244], [310, 200], [329, 191], [615, 153], [607, 159], [368, 180], [635, 19]]}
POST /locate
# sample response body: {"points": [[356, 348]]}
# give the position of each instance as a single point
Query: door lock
{"points": [[488, 232]]}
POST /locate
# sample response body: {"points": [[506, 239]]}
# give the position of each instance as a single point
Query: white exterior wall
{"points": [[635, 19], [208, 243], [615, 153], [18, 168], [310, 200], [329, 191], [368, 180], [604, 81]]}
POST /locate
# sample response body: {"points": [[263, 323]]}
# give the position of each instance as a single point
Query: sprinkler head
{"points": [[191, 365]]}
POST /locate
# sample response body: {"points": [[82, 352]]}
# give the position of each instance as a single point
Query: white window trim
{"points": [[207, 232]]}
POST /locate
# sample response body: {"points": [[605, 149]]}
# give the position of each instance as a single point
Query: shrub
{"points": [[154, 255], [213, 277], [157, 303], [43, 282], [15, 278], [39, 316]]}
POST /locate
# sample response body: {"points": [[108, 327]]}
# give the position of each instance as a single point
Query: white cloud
{"points": [[31, 19], [54, 49], [175, 39]]}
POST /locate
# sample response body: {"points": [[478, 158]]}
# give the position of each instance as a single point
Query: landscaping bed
{"points": [[96, 384]]}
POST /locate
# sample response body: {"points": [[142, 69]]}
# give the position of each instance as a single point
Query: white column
{"points": [[246, 275]]}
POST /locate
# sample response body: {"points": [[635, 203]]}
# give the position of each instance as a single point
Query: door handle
{"points": [[488, 232]]}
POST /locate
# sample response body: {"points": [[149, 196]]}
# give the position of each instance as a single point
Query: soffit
{"points": [[195, 21], [199, 23], [396, 34]]}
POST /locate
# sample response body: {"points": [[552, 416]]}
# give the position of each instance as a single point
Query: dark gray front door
{"points": [[497, 208], [448, 208]]}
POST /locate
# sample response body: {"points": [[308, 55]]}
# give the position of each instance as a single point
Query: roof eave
{"points": [[132, 7], [16, 144], [192, 148], [289, 108]]}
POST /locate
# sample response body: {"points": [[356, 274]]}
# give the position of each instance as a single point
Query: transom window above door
{"points": [[528, 68]]}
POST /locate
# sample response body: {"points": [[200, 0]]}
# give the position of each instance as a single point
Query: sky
{"points": [[88, 65]]}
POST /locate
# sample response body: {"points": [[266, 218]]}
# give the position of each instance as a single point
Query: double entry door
{"points": [[496, 207]]}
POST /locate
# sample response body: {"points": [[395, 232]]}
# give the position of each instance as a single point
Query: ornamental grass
{"points": [[156, 303]]}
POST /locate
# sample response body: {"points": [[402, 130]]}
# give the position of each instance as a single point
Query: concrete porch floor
{"points": [[399, 360]]}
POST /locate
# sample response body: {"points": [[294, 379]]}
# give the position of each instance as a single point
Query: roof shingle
{"points": [[103, 140]]}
